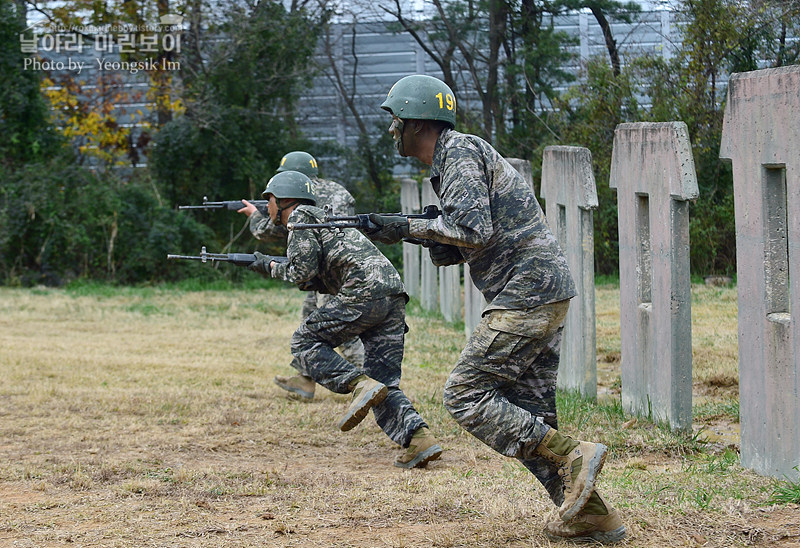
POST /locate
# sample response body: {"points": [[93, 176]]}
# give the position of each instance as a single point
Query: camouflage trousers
{"points": [[503, 388], [380, 325], [352, 350]]}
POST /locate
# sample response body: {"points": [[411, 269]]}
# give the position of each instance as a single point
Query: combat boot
{"points": [[297, 386], [367, 392], [597, 522], [422, 449], [579, 463]]}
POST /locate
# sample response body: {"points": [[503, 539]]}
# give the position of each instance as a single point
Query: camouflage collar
{"points": [[439, 154]]}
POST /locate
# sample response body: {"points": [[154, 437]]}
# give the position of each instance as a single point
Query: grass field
{"points": [[148, 417]]}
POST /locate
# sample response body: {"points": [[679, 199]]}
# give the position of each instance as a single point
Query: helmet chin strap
{"points": [[281, 207], [398, 142]]}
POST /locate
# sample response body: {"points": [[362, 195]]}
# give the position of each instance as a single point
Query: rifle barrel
{"points": [[204, 206]]}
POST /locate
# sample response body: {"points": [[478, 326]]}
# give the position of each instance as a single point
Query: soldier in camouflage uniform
{"points": [[502, 390], [339, 201], [368, 301]]}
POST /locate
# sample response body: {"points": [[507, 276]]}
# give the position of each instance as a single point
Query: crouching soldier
{"points": [[339, 201], [368, 302]]}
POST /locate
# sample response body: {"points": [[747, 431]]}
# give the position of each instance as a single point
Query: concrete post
{"points": [[449, 276], [653, 171], [569, 190], [429, 285], [760, 136], [524, 168], [409, 203], [474, 303]]}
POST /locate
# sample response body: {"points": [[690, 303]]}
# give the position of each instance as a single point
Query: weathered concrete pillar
{"points": [[429, 285], [653, 171], [569, 190], [409, 203], [449, 276], [474, 303], [524, 168], [450, 292], [760, 136]]}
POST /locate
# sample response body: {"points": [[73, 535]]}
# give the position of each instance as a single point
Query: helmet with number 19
{"points": [[420, 97], [291, 185]]}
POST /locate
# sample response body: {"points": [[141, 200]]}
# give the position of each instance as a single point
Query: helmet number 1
{"points": [[451, 102]]}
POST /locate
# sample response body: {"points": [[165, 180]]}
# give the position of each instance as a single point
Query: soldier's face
{"points": [[396, 131], [272, 209]]}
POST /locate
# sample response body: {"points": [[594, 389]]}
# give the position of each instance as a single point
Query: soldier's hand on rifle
{"points": [[445, 255], [262, 264], [248, 208], [389, 229]]}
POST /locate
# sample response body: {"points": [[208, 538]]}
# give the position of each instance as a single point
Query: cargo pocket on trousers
{"points": [[502, 346]]}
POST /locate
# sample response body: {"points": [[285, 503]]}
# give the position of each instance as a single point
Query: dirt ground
{"points": [[134, 421]]}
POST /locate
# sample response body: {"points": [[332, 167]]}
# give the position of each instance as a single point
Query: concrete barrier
{"points": [[653, 171], [761, 137], [409, 203], [569, 190]]}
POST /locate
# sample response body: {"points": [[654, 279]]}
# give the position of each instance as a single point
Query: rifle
{"points": [[361, 222], [239, 259], [233, 205]]}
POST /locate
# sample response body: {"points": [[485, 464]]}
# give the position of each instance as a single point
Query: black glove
{"points": [[445, 255], [389, 229], [261, 264]]}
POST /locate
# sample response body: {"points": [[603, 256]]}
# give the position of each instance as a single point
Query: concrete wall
{"points": [[569, 190], [409, 202], [761, 136], [429, 284], [652, 170]]}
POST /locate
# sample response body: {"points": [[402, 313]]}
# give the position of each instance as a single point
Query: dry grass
{"points": [[148, 417]]}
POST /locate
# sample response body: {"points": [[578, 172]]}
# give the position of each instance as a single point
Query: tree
{"points": [[90, 110], [239, 118], [26, 133]]}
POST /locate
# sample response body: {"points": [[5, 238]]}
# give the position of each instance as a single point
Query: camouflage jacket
{"points": [[329, 193], [339, 262], [493, 217]]}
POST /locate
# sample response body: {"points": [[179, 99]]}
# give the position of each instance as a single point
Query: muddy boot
{"points": [[422, 449], [597, 522], [579, 463], [367, 392], [298, 386]]}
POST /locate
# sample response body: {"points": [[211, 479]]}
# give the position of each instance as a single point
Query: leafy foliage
{"points": [[26, 135], [239, 118], [60, 222]]}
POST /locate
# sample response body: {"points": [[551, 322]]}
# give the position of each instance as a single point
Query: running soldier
{"points": [[368, 301], [502, 390], [339, 201]]}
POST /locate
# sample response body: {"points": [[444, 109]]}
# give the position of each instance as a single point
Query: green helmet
{"points": [[299, 161], [420, 97], [291, 184]]}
